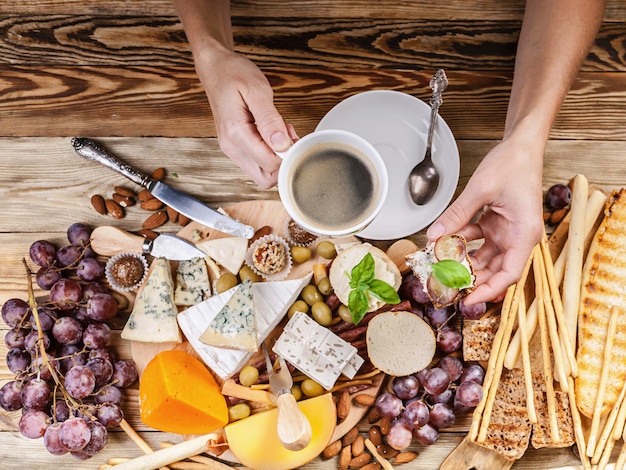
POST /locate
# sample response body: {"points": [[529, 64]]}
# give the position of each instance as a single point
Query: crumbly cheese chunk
{"points": [[192, 282], [228, 252], [153, 318]]}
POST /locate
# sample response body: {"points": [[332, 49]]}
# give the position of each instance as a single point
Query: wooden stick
{"points": [[604, 376], [528, 378], [137, 439], [578, 427]]}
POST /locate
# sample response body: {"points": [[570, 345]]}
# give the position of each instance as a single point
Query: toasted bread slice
{"points": [[603, 287], [541, 430], [478, 337], [509, 430]]}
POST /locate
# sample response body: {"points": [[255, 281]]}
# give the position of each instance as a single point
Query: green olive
{"points": [[296, 391], [310, 294], [246, 272], [321, 313], [344, 313], [311, 388], [298, 306], [248, 375], [225, 282], [238, 411], [324, 286], [300, 254], [326, 249]]}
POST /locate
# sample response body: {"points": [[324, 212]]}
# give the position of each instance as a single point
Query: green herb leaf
{"points": [[383, 291], [357, 304], [362, 273], [452, 274]]}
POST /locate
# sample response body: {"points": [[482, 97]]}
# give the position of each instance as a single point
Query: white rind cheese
{"points": [[228, 252], [234, 326], [153, 318], [192, 282]]}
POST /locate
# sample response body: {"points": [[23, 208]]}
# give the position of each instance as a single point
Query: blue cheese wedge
{"points": [[315, 350], [271, 301], [228, 252], [192, 282], [234, 326], [153, 318]]}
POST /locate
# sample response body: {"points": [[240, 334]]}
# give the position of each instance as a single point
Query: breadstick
{"points": [[604, 375], [515, 347], [528, 379], [136, 438], [578, 427], [621, 458], [610, 428]]}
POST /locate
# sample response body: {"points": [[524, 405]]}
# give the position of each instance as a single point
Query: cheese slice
{"points": [[153, 318], [271, 301], [192, 282], [234, 327], [229, 252]]}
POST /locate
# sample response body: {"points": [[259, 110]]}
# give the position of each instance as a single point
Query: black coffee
{"points": [[333, 188]]}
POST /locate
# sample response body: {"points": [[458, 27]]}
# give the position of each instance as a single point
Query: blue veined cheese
{"points": [[153, 318], [316, 351], [228, 252], [192, 282], [234, 326]]}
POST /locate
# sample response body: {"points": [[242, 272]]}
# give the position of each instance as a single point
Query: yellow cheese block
{"points": [[254, 440], [177, 393]]}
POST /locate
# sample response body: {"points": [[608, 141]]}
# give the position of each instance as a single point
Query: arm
{"points": [[507, 185], [249, 127]]}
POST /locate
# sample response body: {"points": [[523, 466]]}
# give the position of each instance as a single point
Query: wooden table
{"points": [[122, 72]]}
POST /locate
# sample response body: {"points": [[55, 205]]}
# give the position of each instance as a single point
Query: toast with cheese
{"points": [[603, 287]]}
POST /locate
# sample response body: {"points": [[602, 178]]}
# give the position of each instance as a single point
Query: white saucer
{"points": [[396, 124]]}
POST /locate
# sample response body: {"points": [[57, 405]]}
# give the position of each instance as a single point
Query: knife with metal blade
{"points": [[109, 241], [178, 200]]}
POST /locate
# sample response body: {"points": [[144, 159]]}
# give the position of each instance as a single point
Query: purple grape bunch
{"points": [[76, 360]]}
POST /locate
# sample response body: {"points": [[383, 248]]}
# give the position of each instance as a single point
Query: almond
{"points": [[385, 425], [372, 415], [158, 174], [183, 220], [152, 205], [360, 461], [124, 201], [387, 451], [350, 436], [405, 457], [144, 195], [124, 191], [557, 216], [364, 399], [332, 449], [99, 204], [344, 458], [155, 220], [344, 405], [375, 435], [172, 214], [371, 466], [358, 446], [261, 232], [149, 234], [114, 209]]}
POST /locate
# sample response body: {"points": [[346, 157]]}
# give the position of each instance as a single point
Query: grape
{"points": [[96, 335], [441, 416], [94, 288], [421, 374], [450, 247], [440, 293], [472, 312], [59, 410], [473, 372], [52, 441], [14, 312], [105, 353], [79, 234], [74, 434], [412, 288], [436, 381], [108, 394], [90, 269], [31, 342], [71, 355], [102, 370], [98, 440], [468, 394], [388, 405], [68, 256], [416, 414], [438, 317], [81, 315], [444, 397], [10, 395], [101, 307], [400, 435], [47, 276], [449, 339], [426, 435], [46, 318], [18, 360], [66, 293], [37, 365], [109, 414], [15, 338], [405, 387], [80, 381], [124, 373], [42, 252], [33, 424], [558, 196], [36, 394], [67, 330], [453, 366]]}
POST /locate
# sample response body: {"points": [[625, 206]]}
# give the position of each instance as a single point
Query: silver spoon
{"points": [[424, 177]]}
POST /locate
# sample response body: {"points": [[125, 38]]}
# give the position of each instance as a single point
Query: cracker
{"points": [[478, 338]]}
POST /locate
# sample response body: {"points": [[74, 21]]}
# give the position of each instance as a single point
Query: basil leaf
{"points": [[451, 273], [363, 273], [383, 291], [357, 304]]}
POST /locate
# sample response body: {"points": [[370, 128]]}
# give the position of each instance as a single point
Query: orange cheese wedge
{"points": [[254, 440], [177, 393]]}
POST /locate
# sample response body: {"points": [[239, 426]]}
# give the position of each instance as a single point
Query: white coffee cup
{"points": [[332, 182]]}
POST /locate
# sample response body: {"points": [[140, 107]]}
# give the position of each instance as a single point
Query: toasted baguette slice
{"points": [[603, 287]]}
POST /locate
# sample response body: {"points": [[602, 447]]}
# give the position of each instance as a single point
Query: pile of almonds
{"points": [[366, 453], [123, 198]]}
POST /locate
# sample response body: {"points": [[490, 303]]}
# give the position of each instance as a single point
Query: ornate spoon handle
{"points": [[438, 84]]}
